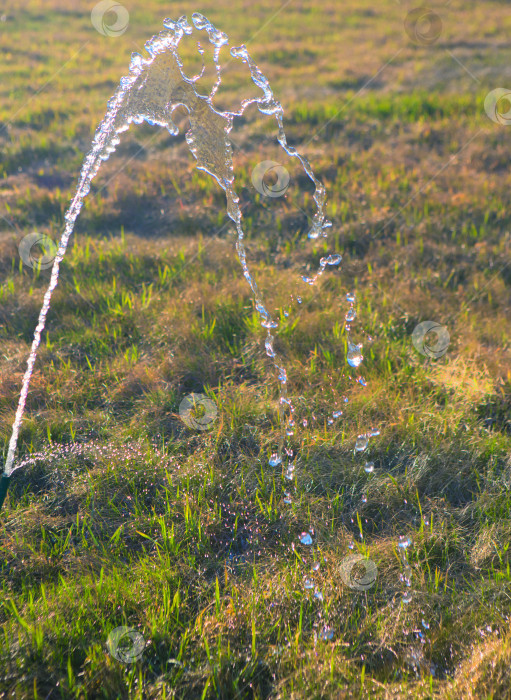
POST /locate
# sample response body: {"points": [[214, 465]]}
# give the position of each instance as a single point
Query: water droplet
{"points": [[364, 499], [361, 443], [350, 316], [404, 542], [330, 421], [268, 344], [337, 414], [269, 324], [308, 584], [425, 624], [350, 297], [287, 498], [305, 538], [318, 595], [299, 300], [374, 433], [362, 381], [304, 422], [369, 467], [334, 259], [407, 597], [315, 566], [290, 472], [274, 460], [354, 356]]}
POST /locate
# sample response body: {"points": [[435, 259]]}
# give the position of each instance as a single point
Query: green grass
{"points": [[124, 516]]}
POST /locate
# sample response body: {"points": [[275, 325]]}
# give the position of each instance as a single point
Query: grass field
{"points": [[122, 516]]}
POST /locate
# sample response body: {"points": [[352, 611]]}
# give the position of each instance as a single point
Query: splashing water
{"points": [[154, 87]]}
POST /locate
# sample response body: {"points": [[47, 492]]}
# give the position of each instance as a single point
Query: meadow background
{"points": [[128, 517]]}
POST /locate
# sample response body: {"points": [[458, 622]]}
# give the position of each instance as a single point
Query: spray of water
{"points": [[154, 87]]}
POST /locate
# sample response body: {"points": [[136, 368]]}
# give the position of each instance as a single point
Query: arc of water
{"points": [[154, 87]]}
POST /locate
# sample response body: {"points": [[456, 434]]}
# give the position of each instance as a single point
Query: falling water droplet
{"points": [[305, 538], [407, 597], [425, 624], [268, 344], [287, 498], [350, 297], [337, 414], [315, 566], [333, 259], [350, 315], [290, 472], [369, 467], [318, 595], [361, 443], [308, 584], [364, 499], [404, 542], [361, 381], [274, 460], [354, 356]]}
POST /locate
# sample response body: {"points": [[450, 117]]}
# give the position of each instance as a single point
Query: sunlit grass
{"points": [[121, 514]]}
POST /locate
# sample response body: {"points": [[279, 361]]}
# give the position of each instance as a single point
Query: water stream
{"points": [[154, 87]]}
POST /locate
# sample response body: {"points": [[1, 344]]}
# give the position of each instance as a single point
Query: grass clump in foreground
{"points": [[122, 516]]}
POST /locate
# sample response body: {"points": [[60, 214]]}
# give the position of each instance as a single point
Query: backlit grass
{"points": [[121, 514]]}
